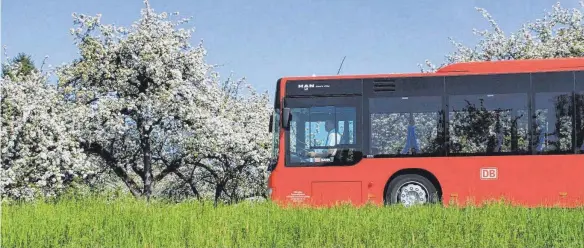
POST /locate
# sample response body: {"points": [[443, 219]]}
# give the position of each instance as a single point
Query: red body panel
{"points": [[527, 180], [538, 180]]}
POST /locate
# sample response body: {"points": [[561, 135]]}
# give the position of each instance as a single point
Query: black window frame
{"points": [[552, 82], [376, 88], [578, 93], [530, 86], [484, 84]]}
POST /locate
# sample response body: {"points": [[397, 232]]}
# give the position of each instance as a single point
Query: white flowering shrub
{"points": [[40, 156]]}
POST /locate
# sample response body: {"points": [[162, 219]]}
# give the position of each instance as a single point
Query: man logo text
{"points": [[489, 173]]}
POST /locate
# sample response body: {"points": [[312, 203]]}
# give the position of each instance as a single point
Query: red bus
{"points": [[467, 133]]}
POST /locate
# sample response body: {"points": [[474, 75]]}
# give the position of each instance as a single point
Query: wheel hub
{"points": [[412, 194]]}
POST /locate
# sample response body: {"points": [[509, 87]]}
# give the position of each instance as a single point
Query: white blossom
{"points": [[39, 155]]}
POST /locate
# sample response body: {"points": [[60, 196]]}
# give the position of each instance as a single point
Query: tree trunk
{"points": [[195, 191], [147, 160], [147, 172], [218, 189]]}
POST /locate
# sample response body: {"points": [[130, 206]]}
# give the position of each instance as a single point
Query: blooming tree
{"points": [[153, 109], [232, 147], [40, 156], [559, 34], [141, 91], [236, 142]]}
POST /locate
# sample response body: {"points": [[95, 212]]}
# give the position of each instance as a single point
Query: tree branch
{"points": [[107, 156], [170, 167], [190, 182]]}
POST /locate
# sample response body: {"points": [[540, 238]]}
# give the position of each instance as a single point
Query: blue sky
{"points": [[266, 40]]}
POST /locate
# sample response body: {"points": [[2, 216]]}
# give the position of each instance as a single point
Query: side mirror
{"points": [[286, 116], [272, 165], [271, 123]]}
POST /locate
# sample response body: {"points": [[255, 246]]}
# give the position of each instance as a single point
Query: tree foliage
{"points": [[19, 66]]}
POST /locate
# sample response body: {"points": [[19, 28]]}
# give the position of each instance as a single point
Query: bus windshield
{"points": [[316, 133]]}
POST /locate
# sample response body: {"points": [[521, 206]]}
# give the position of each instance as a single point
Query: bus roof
{"points": [[516, 66], [482, 67]]}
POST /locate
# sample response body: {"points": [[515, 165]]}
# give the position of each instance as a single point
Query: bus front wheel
{"points": [[411, 189]]}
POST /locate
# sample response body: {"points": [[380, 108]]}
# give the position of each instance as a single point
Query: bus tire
{"points": [[411, 189]]}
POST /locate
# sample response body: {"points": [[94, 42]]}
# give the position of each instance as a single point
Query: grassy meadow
{"points": [[125, 222]]}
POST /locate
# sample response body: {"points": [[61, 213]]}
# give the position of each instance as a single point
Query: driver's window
{"points": [[322, 135]]}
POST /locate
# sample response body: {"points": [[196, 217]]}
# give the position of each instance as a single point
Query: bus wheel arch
{"points": [[424, 178]]}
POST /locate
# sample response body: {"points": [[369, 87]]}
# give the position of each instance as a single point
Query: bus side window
{"points": [[488, 114], [553, 111], [405, 126]]}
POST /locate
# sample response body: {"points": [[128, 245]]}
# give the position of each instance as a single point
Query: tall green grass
{"points": [[97, 222]]}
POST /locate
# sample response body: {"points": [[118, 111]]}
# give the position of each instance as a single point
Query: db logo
{"points": [[489, 173]]}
